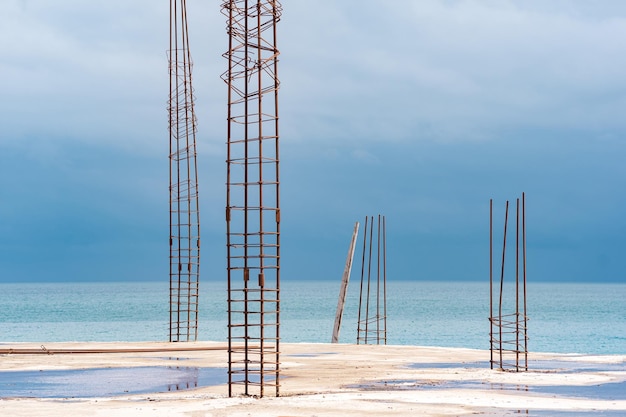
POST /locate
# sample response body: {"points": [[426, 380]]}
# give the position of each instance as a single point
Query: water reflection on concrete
{"points": [[562, 366], [559, 366], [551, 413], [615, 390], [445, 365], [310, 355], [103, 382], [607, 391]]}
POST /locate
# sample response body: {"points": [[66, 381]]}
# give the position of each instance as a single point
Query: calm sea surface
{"points": [[567, 318]]}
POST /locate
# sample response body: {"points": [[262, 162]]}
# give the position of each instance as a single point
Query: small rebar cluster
{"points": [[372, 316], [508, 332], [184, 209]]}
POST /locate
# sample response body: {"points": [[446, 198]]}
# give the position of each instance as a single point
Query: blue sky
{"points": [[419, 110]]}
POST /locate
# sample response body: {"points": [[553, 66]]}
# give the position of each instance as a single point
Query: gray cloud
{"points": [[452, 70]]}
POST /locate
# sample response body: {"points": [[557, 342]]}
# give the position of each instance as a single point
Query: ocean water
{"points": [[565, 318]]}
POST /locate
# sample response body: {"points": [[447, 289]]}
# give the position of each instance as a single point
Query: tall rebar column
{"points": [[184, 208], [508, 333], [372, 322], [252, 197]]}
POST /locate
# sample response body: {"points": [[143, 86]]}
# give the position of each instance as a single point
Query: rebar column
{"points": [[252, 197], [184, 208], [372, 322], [509, 342]]}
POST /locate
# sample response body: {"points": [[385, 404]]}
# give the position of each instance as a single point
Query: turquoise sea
{"points": [[566, 318]]}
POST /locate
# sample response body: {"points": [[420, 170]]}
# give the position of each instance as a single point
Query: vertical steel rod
{"points": [[246, 204], [229, 157], [275, 19], [491, 282], [369, 280], [524, 278], [385, 278], [506, 220], [517, 318], [378, 318], [359, 320]]}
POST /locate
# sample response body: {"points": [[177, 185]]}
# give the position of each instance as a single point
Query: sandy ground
{"points": [[336, 380]]}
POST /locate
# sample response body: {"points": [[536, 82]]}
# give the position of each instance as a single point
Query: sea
{"points": [[583, 318]]}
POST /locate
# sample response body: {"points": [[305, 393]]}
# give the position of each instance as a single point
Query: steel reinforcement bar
{"points": [[184, 207], [252, 197]]}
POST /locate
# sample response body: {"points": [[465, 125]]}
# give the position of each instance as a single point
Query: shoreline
{"points": [[323, 379]]}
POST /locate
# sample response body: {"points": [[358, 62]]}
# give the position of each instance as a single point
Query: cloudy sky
{"points": [[421, 110]]}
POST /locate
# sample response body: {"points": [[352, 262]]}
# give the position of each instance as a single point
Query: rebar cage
{"points": [[252, 197], [508, 333], [184, 208], [372, 320]]}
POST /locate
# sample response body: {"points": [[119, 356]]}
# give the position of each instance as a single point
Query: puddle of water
{"points": [[594, 413], [574, 366], [609, 391], [310, 355], [396, 385], [537, 365], [552, 413], [104, 382], [444, 365]]}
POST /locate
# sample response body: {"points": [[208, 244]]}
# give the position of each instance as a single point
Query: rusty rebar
{"points": [[359, 321], [511, 328], [491, 283], [369, 281], [385, 280], [517, 323], [524, 280], [371, 323], [184, 204], [506, 221], [252, 196]]}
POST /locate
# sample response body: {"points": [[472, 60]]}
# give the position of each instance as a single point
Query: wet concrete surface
{"points": [[559, 366], [310, 355], [606, 391], [104, 382], [447, 365], [552, 413]]}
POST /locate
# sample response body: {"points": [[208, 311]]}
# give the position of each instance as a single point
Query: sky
{"points": [[420, 110]]}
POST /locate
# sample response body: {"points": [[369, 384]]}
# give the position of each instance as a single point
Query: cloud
{"points": [[351, 71], [452, 70], [89, 71]]}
